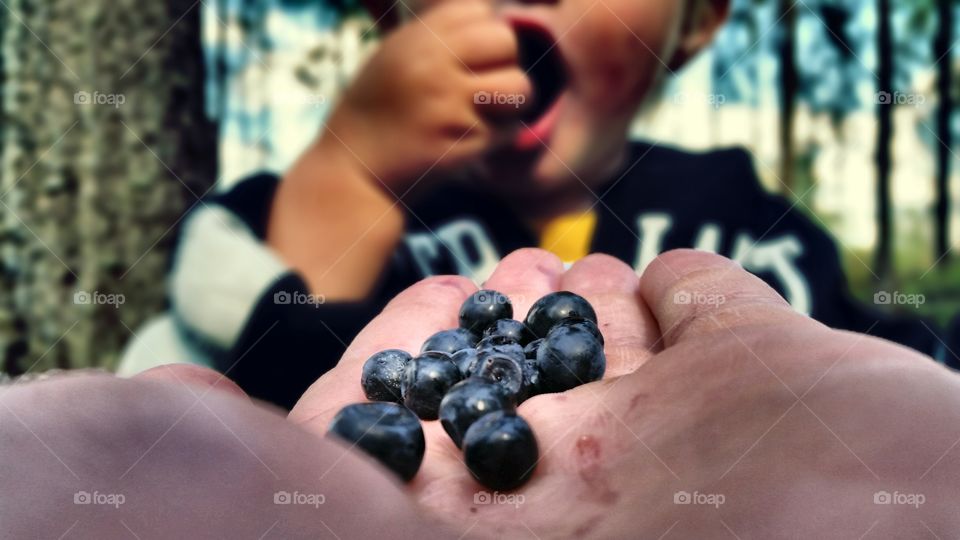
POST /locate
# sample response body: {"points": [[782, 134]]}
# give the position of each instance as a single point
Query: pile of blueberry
{"points": [[473, 378]]}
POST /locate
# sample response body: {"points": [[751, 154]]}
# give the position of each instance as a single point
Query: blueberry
{"points": [[450, 341], [426, 380], [509, 330], [532, 380], [586, 324], [388, 432], [553, 308], [467, 402], [501, 451], [530, 351], [570, 356], [496, 345], [503, 370], [483, 308], [382, 374], [466, 360]]}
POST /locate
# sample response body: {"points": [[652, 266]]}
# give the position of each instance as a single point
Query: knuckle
{"points": [[427, 291]]}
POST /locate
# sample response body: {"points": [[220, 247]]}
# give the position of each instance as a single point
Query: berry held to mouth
{"points": [[540, 58]]}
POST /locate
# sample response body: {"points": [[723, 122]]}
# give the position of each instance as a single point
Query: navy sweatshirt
{"points": [[275, 339]]}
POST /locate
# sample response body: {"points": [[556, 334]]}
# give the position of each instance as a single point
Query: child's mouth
{"points": [[540, 58]]}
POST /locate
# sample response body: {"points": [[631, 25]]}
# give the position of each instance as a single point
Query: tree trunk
{"points": [[788, 87], [941, 48], [105, 146], [885, 105]]}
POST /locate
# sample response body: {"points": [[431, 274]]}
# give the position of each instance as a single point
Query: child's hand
{"points": [[429, 97]]}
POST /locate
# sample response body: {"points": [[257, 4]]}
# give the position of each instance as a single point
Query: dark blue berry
{"points": [[483, 308], [555, 307], [569, 357], [532, 380], [494, 346], [450, 341], [503, 370], [426, 380], [466, 360], [501, 451], [530, 351], [388, 432], [467, 402], [382, 374], [586, 324], [509, 330]]}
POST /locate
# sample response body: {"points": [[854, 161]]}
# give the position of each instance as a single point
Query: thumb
{"points": [[693, 293]]}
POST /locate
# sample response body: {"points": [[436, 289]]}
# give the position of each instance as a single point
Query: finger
{"points": [[503, 93], [485, 45], [694, 293], [613, 288], [442, 16], [408, 320], [525, 276]]}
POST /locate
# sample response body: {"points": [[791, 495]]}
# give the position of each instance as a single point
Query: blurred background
{"points": [[118, 117]]}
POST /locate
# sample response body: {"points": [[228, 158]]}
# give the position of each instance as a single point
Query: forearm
{"points": [[334, 222]]}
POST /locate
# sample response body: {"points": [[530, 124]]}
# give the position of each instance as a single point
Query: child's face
{"points": [[614, 53]]}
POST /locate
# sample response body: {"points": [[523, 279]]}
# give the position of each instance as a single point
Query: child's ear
{"points": [[702, 20]]}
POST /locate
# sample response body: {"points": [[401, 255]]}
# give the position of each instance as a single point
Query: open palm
{"points": [[704, 388]]}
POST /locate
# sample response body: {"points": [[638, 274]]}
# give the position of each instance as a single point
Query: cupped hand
{"points": [[723, 413]]}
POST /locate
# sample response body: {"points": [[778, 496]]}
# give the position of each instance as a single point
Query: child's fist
{"points": [[440, 90]]}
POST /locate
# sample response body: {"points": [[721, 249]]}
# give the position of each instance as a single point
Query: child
{"points": [[475, 130]]}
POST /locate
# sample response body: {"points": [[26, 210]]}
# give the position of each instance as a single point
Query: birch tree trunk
{"points": [[104, 147]]}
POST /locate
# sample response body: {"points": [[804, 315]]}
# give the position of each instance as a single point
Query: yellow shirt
{"points": [[568, 237]]}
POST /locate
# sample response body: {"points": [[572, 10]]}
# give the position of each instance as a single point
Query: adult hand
{"points": [[722, 413]]}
